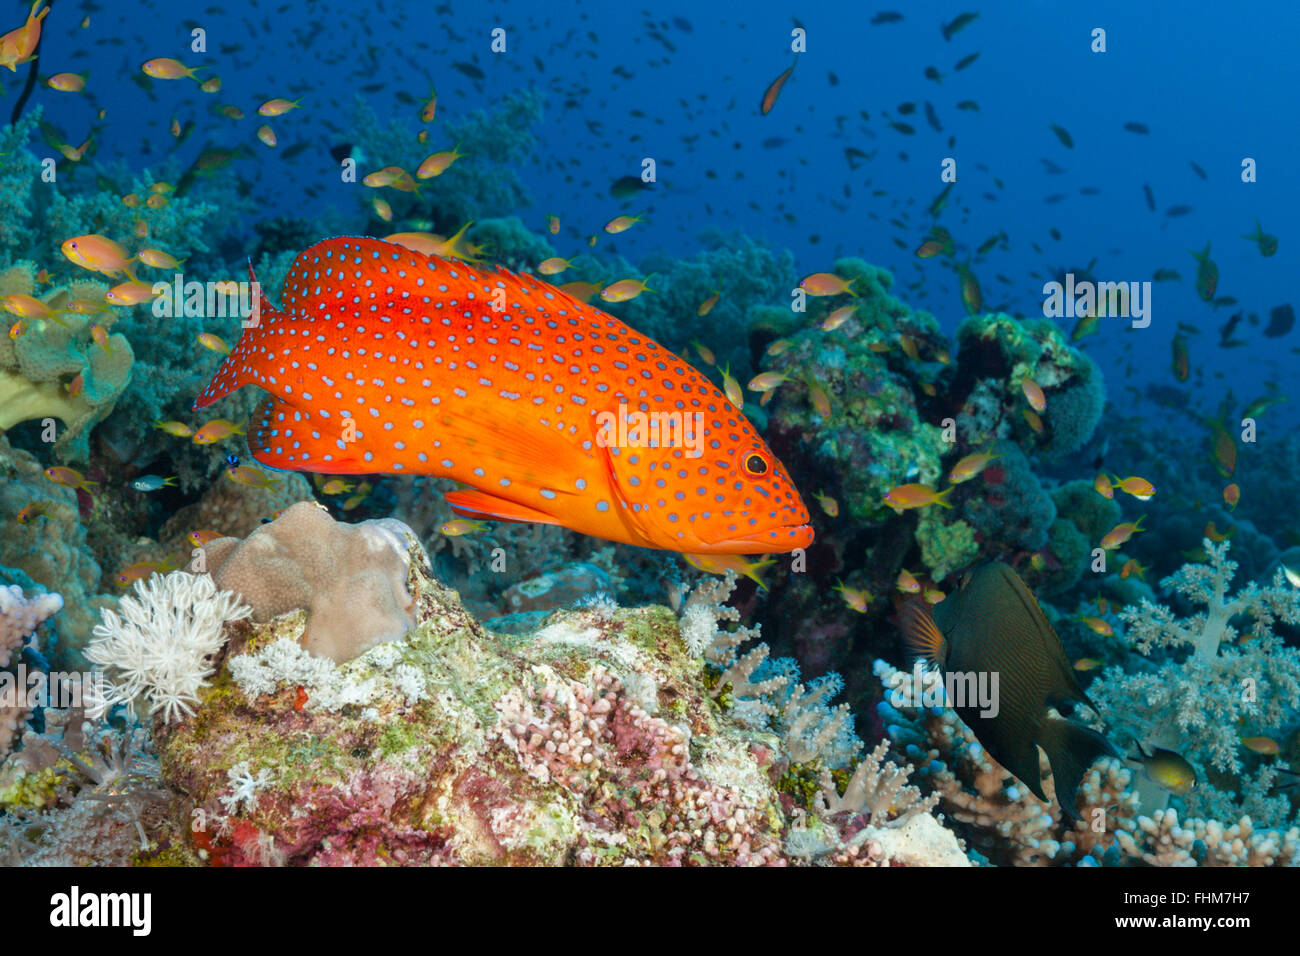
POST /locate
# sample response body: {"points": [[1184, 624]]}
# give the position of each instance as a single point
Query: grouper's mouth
{"points": [[778, 540]]}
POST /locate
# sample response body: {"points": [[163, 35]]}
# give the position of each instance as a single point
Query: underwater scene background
{"points": [[938, 345]]}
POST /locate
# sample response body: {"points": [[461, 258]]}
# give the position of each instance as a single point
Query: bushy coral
{"points": [[159, 643], [20, 176], [181, 227], [1198, 706]]}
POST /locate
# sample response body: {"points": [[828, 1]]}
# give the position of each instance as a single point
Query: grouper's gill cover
{"points": [[993, 624], [436, 381]]}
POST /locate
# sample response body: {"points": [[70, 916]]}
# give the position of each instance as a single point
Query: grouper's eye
{"points": [[756, 465]]}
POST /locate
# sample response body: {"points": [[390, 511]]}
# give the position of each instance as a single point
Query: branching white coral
{"points": [[813, 730], [284, 661], [160, 646], [699, 625], [1152, 625], [705, 609], [244, 787], [379, 672], [1196, 707], [20, 616], [877, 789]]}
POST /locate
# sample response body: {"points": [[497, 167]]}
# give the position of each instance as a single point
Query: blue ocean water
{"points": [[681, 84]]}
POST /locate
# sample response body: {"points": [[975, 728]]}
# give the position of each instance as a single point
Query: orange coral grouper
{"points": [[385, 360]]}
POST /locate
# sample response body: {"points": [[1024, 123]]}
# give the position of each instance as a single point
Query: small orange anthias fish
{"points": [[384, 360], [18, 46]]}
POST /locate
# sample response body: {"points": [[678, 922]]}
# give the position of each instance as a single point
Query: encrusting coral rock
{"points": [[350, 578], [593, 741]]}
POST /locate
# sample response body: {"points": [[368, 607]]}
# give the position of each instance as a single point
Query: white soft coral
{"points": [[160, 646], [244, 787]]}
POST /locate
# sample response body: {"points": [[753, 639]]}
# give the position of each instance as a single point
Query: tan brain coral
{"points": [[352, 579]]}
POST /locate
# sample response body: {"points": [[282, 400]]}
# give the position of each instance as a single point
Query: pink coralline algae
{"points": [[634, 774]]}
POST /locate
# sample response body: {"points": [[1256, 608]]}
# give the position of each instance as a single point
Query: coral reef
{"points": [[314, 691], [595, 740], [1003, 824]]}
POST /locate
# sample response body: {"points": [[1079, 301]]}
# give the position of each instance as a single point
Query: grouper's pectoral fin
{"points": [[292, 437], [480, 504]]}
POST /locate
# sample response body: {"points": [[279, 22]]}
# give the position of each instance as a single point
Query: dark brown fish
{"points": [[993, 626], [1280, 321]]}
